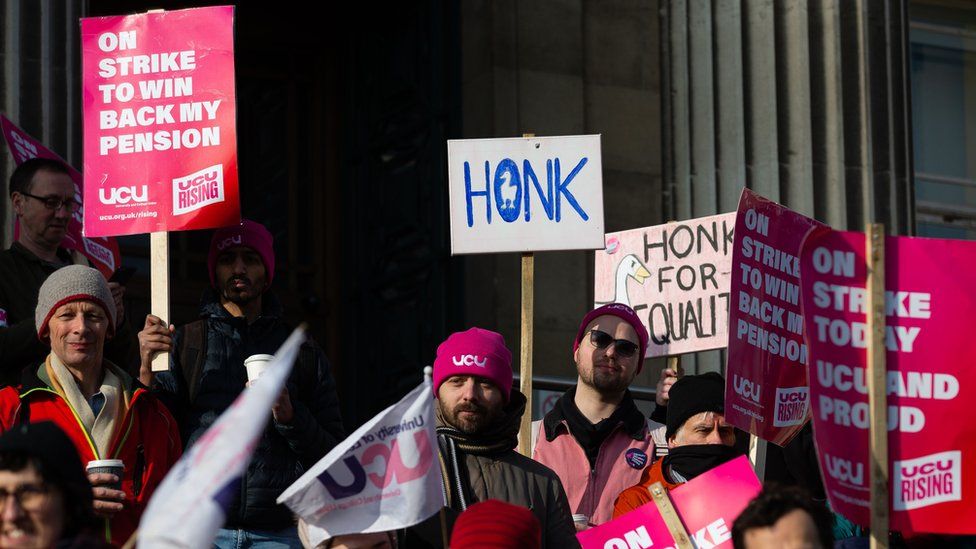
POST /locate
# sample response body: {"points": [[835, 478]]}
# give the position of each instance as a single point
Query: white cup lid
{"points": [[105, 463]]}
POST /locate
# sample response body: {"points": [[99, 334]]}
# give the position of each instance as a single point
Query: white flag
{"points": [[188, 507], [383, 477]]}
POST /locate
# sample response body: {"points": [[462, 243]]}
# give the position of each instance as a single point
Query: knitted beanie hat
{"points": [[248, 233], [493, 523], [624, 313], [474, 352], [692, 395], [68, 284]]}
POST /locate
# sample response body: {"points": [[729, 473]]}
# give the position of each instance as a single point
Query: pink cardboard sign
{"points": [[160, 135], [930, 380], [710, 503], [766, 376], [102, 252], [642, 527], [707, 506], [676, 277]]}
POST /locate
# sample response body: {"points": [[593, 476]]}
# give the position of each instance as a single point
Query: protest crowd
{"points": [[71, 404]]}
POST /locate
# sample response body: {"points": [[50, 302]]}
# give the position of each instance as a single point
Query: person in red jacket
{"points": [[105, 413]]}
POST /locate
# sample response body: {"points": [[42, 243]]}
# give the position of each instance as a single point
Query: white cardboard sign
{"points": [[676, 277], [525, 194]]}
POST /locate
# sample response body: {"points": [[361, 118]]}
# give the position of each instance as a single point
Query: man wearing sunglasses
{"points": [[43, 198], [595, 438]]}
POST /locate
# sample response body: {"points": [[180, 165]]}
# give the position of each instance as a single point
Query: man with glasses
{"points": [[43, 198], [595, 438]]}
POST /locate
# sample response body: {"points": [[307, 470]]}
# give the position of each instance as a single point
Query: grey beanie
{"points": [[72, 283]]}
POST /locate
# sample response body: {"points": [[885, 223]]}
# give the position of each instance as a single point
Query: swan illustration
{"points": [[629, 267]]}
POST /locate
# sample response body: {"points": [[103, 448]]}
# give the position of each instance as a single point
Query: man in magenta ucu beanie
{"points": [[478, 416], [250, 234], [474, 352]]}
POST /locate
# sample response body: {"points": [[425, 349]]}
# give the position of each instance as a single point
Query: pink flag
{"points": [[102, 252]]}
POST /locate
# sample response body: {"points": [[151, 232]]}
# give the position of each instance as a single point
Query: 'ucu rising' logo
{"points": [[845, 471], [746, 388], [469, 360]]}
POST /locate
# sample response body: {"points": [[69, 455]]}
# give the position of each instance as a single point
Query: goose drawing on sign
{"points": [[509, 191], [629, 267]]}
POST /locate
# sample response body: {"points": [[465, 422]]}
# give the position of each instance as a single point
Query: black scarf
{"points": [[694, 459], [591, 435]]}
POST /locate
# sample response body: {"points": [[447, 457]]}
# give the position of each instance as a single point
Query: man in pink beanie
{"points": [[478, 415], [595, 438], [241, 317]]}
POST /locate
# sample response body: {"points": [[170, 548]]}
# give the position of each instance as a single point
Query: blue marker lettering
{"points": [[562, 190]]}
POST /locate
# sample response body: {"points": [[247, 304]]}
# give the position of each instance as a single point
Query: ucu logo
{"points": [[229, 241], [746, 389], [123, 195], [392, 467], [844, 471], [469, 360]]}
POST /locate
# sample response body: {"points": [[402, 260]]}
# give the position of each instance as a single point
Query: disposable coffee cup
{"points": [[256, 364], [110, 466]]}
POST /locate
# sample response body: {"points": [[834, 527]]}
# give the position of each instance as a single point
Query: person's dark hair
{"points": [[78, 515], [772, 504], [20, 180]]}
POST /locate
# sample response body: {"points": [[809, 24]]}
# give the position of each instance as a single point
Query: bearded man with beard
{"points": [[595, 438], [241, 317], [478, 415], [699, 439]]}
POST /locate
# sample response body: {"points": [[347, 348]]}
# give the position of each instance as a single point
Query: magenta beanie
{"points": [[626, 314], [249, 233], [475, 352]]}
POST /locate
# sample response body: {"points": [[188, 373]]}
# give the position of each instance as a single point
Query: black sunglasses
{"points": [[622, 347], [55, 202]]}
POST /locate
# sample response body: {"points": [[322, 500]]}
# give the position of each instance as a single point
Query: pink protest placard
{"points": [[642, 527], [930, 351], [102, 252], [710, 503], [676, 277], [766, 376], [160, 135]]}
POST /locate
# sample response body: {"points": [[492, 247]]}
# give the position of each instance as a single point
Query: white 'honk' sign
{"points": [[525, 194]]}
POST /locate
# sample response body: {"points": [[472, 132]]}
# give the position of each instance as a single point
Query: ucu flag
{"points": [[386, 464], [385, 476]]}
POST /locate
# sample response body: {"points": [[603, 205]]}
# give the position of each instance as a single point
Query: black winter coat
{"points": [[284, 452]]}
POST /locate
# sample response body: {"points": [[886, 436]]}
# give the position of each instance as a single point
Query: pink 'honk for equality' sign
{"points": [[160, 135], [766, 377], [707, 507], [102, 252], [930, 352]]}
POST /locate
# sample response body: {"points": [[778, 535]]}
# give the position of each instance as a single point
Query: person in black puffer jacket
{"points": [[240, 318]]}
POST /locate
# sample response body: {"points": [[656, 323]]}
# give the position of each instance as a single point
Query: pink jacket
{"points": [[622, 458]]}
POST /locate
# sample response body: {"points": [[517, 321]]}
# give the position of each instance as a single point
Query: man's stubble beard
{"points": [[469, 427]]}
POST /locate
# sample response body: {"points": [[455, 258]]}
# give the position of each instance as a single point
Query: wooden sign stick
{"points": [[525, 356], [159, 287], [660, 496], [525, 381], [877, 386]]}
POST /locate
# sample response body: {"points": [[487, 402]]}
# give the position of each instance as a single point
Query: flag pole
{"points": [[877, 386], [159, 288]]}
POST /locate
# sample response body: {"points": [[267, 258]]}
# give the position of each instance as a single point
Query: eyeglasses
{"points": [[55, 202], [622, 347], [28, 496]]}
